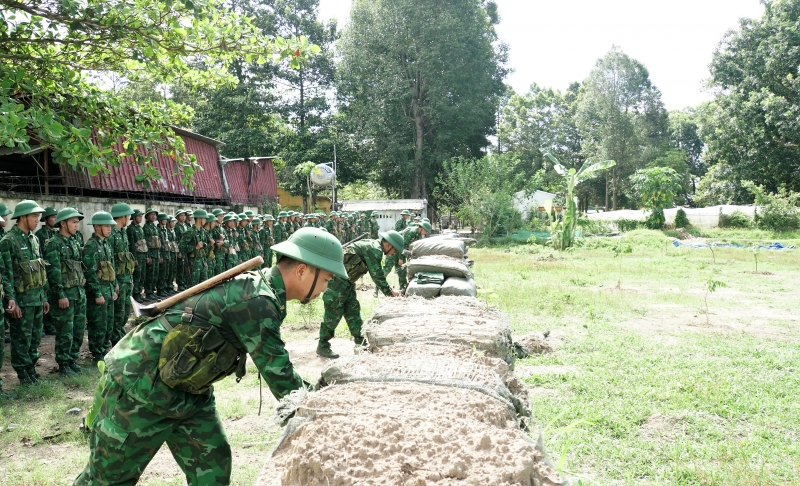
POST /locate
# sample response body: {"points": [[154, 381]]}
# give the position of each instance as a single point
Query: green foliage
{"points": [[720, 186], [563, 232], [656, 188], [736, 219], [778, 210], [681, 221], [360, 190], [751, 126], [712, 286], [625, 225], [594, 226], [655, 220]]}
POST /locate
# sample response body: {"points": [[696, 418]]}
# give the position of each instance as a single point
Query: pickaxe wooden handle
{"points": [[162, 305]]}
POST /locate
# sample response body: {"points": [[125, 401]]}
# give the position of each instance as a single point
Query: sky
{"points": [[556, 42]]}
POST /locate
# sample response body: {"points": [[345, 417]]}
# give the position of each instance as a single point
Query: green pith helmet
{"points": [[136, 212], [426, 220], [162, 217], [269, 217], [4, 211], [200, 214], [120, 209], [316, 248], [374, 215], [256, 221], [217, 211], [249, 213], [150, 210], [242, 216], [426, 226], [394, 238], [179, 212], [405, 211], [26, 207], [48, 211], [283, 214], [102, 218], [68, 213]]}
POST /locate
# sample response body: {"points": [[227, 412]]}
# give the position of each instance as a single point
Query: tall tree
{"points": [[621, 117], [420, 80], [752, 126]]}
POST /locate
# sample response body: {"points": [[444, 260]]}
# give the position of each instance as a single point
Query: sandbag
{"points": [[426, 291], [459, 286], [488, 335], [449, 268], [443, 306], [430, 278], [438, 246]]}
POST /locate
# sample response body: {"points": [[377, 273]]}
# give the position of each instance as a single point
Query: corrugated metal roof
{"points": [[251, 181], [384, 205], [207, 183]]}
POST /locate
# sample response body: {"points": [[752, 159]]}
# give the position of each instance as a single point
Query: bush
{"points": [[624, 225], [778, 211], [655, 220], [681, 221], [593, 226], [736, 219]]}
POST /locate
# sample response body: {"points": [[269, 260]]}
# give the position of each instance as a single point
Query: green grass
{"points": [[651, 395]]}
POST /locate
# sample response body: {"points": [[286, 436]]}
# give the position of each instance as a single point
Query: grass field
{"points": [[647, 387]]}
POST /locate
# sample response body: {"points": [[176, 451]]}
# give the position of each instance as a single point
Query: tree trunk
{"points": [[419, 132], [302, 101], [614, 190], [605, 207]]}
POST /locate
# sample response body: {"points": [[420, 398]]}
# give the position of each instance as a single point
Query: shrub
{"points": [[778, 211], [681, 221], [736, 219], [624, 225], [593, 226], [655, 220]]}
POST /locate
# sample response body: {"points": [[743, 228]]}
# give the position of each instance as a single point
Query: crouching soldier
{"points": [[66, 280], [361, 257], [157, 386]]}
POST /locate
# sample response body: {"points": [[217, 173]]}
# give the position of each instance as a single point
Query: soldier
{"points": [[153, 260], [410, 234], [26, 300], [180, 228], [218, 234], [256, 236], [137, 245], [329, 224], [341, 300], [194, 245], [101, 285], [141, 404], [5, 285], [124, 266], [269, 239], [165, 256], [374, 226], [280, 228], [43, 234], [402, 223], [244, 238], [229, 246], [65, 281], [4, 212], [173, 248]]}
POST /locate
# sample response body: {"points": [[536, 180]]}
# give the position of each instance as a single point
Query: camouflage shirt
{"points": [[374, 227], [58, 250], [365, 256], [247, 307], [44, 234], [134, 233], [18, 248], [118, 242], [400, 224], [151, 230], [94, 251], [410, 235]]}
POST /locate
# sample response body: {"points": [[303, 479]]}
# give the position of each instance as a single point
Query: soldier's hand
{"points": [[100, 300], [219, 242], [401, 262], [160, 261], [46, 307], [63, 303], [14, 310], [149, 261], [135, 263], [395, 293], [180, 256], [116, 294], [198, 245]]}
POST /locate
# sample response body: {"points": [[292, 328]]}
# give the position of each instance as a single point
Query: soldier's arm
{"points": [[7, 269], [187, 244], [54, 278], [373, 261], [90, 262], [261, 335]]}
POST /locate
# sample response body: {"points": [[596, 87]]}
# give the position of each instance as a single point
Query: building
{"points": [[388, 210], [527, 204]]}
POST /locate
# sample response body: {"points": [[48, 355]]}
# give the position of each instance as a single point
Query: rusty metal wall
{"points": [[251, 182]]}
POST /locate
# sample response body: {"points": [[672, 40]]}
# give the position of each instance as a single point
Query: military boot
{"points": [[324, 350], [26, 379], [74, 367], [138, 298], [151, 296], [65, 370]]}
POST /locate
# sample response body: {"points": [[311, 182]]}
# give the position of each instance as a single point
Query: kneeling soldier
{"points": [[157, 386]]}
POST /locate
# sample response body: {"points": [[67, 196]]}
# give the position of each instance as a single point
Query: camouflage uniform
{"points": [[410, 235], [269, 240], [17, 249], [138, 412], [218, 233], [400, 224], [277, 232], [100, 317], [135, 234], [44, 234], [164, 283], [232, 247], [374, 227], [180, 270], [198, 266], [174, 262], [63, 252], [5, 287], [120, 248], [153, 239], [360, 258]]}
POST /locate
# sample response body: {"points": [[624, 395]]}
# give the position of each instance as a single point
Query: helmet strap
{"points": [[311, 290]]}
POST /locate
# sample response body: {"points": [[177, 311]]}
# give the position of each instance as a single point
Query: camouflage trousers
{"points": [[180, 271], [151, 276], [340, 300], [268, 259], [130, 428], [219, 263], [70, 325], [26, 335], [139, 273], [122, 309], [392, 262], [199, 271], [48, 325], [166, 276], [100, 321]]}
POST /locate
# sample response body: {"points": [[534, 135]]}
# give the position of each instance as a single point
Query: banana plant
{"points": [[562, 233]]}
